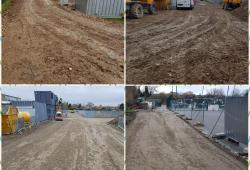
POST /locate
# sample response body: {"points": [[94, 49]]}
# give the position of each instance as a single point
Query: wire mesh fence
{"points": [[207, 112]]}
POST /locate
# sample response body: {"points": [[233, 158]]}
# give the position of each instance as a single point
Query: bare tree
{"points": [[236, 92], [216, 92], [131, 94]]}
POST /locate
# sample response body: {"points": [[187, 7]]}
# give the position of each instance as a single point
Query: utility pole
{"points": [[203, 116], [176, 90]]}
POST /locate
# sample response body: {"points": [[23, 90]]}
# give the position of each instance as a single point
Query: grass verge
{"points": [[6, 5]]}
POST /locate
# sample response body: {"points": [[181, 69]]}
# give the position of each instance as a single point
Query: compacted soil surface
{"points": [[74, 143], [158, 140], [203, 45], [46, 43]]}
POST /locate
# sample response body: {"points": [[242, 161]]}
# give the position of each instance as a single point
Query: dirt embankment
{"points": [[242, 11], [44, 43], [159, 140], [75, 143], [203, 45]]}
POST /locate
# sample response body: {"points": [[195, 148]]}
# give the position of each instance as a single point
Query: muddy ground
{"points": [[44, 43], [203, 45], [75, 143], [159, 140]]}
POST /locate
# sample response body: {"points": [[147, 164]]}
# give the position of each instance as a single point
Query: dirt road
{"points": [[76, 143], [205, 45], [159, 140], [44, 43]]}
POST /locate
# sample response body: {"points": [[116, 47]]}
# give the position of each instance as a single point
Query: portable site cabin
{"points": [[101, 8], [236, 119], [49, 99]]}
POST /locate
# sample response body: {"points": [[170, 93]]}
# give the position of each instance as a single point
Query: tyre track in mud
{"points": [[75, 143], [159, 140], [204, 45], [59, 45]]}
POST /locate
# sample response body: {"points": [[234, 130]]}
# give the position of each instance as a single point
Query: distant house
{"points": [[101, 8]]}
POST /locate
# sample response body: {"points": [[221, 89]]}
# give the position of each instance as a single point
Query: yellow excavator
{"points": [[231, 4], [136, 8]]}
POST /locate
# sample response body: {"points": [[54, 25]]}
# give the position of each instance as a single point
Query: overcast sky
{"points": [[197, 89], [104, 95]]}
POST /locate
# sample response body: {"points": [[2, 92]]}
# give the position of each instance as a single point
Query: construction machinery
{"points": [[185, 4], [231, 4], [9, 119], [137, 8]]}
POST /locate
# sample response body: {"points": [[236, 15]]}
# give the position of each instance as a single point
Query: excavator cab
{"points": [[137, 8], [231, 4]]}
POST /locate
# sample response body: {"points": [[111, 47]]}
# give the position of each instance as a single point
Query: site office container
{"points": [[51, 111], [41, 112], [101, 8], [46, 97], [236, 119]]}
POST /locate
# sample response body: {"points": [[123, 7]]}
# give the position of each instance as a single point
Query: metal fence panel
{"points": [[236, 116], [100, 114], [101, 8], [199, 112], [121, 122]]}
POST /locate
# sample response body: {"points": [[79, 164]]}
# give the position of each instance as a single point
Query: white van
{"points": [[184, 4]]}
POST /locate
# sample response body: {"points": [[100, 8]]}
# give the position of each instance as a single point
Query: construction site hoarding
{"points": [[101, 8], [236, 119]]}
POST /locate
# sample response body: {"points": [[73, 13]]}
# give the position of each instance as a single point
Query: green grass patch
{"points": [[6, 5]]}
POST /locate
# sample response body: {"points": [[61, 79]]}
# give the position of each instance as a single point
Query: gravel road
{"points": [[45, 43], [76, 143], [158, 140], [205, 45]]}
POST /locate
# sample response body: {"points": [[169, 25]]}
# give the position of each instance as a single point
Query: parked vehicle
{"points": [[59, 116], [136, 8], [231, 4], [185, 4]]}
